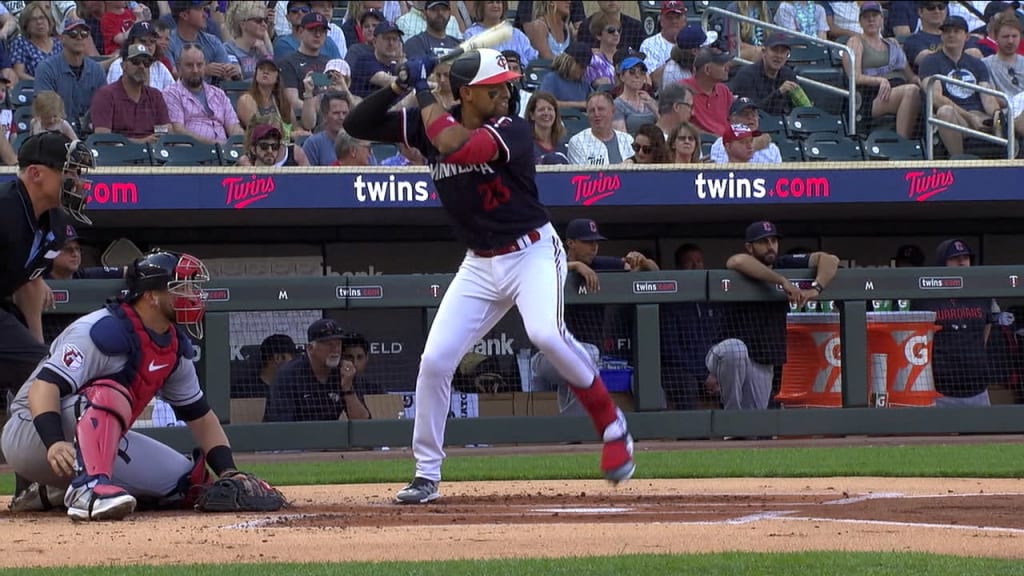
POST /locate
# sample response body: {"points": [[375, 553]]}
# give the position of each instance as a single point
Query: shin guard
{"points": [[100, 428]]}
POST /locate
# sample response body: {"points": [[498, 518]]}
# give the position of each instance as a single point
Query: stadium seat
{"points": [[23, 93], [235, 89], [822, 99], [535, 72], [300, 140], [574, 125], [770, 124], [19, 140], [22, 119], [117, 150], [382, 150], [808, 54], [184, 150], [888, 145], [790, 150], [832, 148], [801, 122], [231, 150]]}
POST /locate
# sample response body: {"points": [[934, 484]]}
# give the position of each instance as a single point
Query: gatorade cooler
{"points": [[812, 374], [905, 339]]}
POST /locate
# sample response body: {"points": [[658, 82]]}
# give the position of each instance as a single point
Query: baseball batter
{"points": [[483, 167], [69, 428]]}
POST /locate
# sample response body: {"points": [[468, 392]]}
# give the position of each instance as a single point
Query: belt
{"points": [[521, 243]]}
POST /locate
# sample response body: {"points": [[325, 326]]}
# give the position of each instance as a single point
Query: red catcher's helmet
{"points": [[182, 275]]}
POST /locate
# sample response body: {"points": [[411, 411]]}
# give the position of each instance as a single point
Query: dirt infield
{"points": [[551, 519]]}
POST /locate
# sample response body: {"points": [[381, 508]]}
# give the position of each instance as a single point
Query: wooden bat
{"points": [[493, 36]]}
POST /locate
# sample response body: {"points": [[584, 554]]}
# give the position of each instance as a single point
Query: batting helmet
{"points": [[481, 67], [72, 158], [182, 275]]}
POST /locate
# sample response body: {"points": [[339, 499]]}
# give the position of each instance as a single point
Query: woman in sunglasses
{"points": [[264, 145], [250, 34], [684, 144], [634, 107], [607, 33], [649, 146]]}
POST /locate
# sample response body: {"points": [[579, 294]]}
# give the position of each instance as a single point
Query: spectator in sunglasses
{"points": [[288, 43], [250, 36], [631, 30], [265, 145], [649, 146], [130, 107], [607, 33], [684, 144], [191, 19], [71, 75], [634, 107], [145, 33]]}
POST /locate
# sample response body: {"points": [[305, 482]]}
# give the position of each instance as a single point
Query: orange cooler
{"points": [[906, 340], [812, 374]]}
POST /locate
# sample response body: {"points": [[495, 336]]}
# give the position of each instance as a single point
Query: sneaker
{"points": [[99, 502], [617, 455], [37, 498], [419, 491]]}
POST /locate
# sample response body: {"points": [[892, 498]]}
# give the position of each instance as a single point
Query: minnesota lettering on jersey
{"points": [[442, 170]]}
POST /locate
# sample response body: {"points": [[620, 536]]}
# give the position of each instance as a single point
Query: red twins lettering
{"points": [[921, 186], [241, 194], [590, 189], [493, 194]]}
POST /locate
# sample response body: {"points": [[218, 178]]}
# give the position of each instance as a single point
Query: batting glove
{"points": [[413, 74]]}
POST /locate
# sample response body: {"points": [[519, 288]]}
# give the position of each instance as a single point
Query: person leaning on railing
{"points": [[886, 83]]}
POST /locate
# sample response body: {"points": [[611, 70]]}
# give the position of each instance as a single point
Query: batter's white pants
{"points": [[484, 289]]}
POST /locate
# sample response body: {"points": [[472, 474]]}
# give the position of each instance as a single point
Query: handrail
{"points": [[929, 136], [851, 91]]}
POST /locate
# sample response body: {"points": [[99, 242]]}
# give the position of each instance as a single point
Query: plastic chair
{"points": [[117, 150], [823, 100], [888, 145], [183, 150], [231, 150], [19, 140], [790, 150], [832, 148], [802, 122], [23, 119], [382, 150], [535, 72], [23, 93], [574, 126], [770, 124], [809, 54]]}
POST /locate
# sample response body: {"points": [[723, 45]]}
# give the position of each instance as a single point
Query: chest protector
{"points": [[149, 364]]}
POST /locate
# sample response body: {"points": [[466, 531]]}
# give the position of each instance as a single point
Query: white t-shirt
{"points": [[657, 50], [159, 76]]}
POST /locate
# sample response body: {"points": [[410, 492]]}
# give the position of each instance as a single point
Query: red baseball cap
{"points": [[738, 132], [675, 6]]}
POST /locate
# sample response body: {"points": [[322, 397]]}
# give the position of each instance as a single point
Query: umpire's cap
{"points": [[481, 67], [48, 149]]}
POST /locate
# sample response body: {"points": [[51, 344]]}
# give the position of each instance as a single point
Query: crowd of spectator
{"points": [[593, 84]]}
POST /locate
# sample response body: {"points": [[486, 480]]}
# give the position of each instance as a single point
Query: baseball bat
{"points": [[493, 36]]}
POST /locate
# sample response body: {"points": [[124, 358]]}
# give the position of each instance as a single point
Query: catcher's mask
{"points": [[182, 275]]}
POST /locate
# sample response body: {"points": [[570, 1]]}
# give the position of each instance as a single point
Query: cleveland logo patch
{"points": [[72, 358]]}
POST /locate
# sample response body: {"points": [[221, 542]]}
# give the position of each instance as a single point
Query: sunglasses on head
{"points": [[269, 146], [645, 148]]}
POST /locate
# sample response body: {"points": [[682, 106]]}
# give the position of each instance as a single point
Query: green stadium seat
{"points": [[770, 124], [535, 72]]}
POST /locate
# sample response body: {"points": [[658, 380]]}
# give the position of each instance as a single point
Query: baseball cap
{"points": [[324, 329], [623, 53], [911, 254], [313, 20], [583, 229], [72, 23], [268, 59], [70, 233], [261, 131], [954, 22], [710, 56], [338, 65], [741, 104], [553, 158], [870, 7], [581, 53], [957, 248], [691, 37], [760, 230], [46, 149], [738, 132], [138, 50], [437, 3], [372, 13], [994, 8], [778, 39], [631, 62], [386, 27], [140, 29], [673, 6], [276, 344]]}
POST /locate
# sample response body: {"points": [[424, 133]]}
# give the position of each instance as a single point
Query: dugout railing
{"points": [[851, 290]]}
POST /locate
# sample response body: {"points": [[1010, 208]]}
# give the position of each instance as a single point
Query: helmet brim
{"points": [[500, 78]]}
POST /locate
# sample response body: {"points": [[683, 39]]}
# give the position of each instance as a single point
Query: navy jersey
{"points": [[959, 358], [27, 245], [491, 204], [297, 396], [761, 325]]}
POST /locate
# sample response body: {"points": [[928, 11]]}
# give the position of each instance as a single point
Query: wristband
{"points": [[440, 125], [220, 459], [50, 428], [425, 98]]}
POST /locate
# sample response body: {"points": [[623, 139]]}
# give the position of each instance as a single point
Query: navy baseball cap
{"points": [[583, 229], [760, 230], [911, 254], [436, 3], [779, 39], [691, 37], [140, 29], [324, 329], [955, 22], [385, 27], [957, 248], [741, 104], [314, 20]]}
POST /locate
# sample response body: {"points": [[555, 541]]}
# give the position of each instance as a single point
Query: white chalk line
{"points": [[905, 524]]}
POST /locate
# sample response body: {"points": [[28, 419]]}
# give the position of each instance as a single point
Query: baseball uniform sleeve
{"points": [[75, 361], [182, 386], [514, 137]]}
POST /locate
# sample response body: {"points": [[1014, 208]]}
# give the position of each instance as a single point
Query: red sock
{"points": [[598, 404]]}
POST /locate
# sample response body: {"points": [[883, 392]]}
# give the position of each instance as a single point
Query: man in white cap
{"points": [[340, 74], [435, 39]]}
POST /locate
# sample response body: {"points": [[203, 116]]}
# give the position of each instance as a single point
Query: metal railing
{"points": [[929, 136], [850, 93]]}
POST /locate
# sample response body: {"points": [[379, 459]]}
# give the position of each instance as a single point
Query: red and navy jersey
{"points": [[491, 204]]}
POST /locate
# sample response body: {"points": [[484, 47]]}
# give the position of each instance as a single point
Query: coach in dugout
{"points": [[318, 385], [67, 265], [754, 333]]}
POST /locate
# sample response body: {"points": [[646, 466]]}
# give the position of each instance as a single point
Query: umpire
{"points": [[34, 211]]}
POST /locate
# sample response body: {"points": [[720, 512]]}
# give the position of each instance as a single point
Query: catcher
{"points": [[69, 427]]}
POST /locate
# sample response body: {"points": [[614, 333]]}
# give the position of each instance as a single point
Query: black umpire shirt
{"points": [[27, 246], [761, 325]]}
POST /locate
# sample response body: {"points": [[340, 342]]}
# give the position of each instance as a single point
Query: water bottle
{"points": [[799, 98]]}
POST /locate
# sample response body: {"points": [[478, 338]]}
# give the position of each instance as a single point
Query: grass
{"points": [[733, 564], [939, 461]]}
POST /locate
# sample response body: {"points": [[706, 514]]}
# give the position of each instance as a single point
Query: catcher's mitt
{"points": [[240, 492]]}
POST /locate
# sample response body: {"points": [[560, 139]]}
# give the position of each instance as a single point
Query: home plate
{"points": [[583, 510]]}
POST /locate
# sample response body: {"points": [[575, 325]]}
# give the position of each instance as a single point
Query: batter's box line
{"points": [[905, 524]]}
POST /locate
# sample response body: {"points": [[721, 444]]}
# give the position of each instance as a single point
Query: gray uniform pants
{"points": [[143, 466], [745, 384]]}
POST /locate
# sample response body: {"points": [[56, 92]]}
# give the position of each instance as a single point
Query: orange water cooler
{"points": [[899, 359]]}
